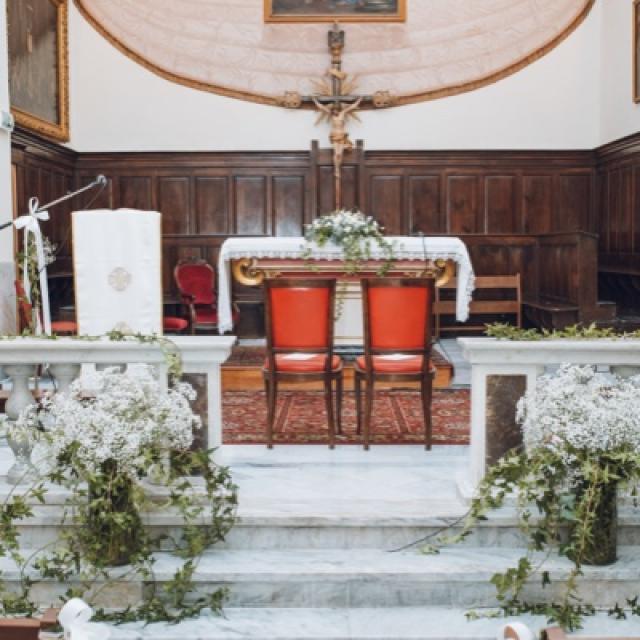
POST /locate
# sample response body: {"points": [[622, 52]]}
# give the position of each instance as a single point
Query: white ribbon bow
{"points": [[31, 224], [75, 618]]}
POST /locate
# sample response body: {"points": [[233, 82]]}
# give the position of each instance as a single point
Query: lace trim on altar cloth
{"points": [[466, 278]]}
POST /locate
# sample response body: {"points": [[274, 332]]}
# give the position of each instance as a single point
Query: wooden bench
{"points": [[491, 300]]}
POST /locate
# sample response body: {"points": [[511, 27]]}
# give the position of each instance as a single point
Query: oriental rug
{"points": [[301, 418]]}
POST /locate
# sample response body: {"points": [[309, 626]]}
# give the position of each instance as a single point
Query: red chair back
{"points": [[398, 313], [299, 313], [196, 280], [25, 308]]}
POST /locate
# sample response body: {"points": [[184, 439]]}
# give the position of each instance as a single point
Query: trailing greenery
{"points": [[504, 331], [354, 234], [100, 447], [581, 444]]}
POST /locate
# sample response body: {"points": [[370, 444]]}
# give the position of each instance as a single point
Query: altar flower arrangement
{"points": [[101, 439], [354, 233], [581, 432]]}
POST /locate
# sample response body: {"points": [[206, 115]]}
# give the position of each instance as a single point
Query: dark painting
{"points": [[329, 10], [37, 64]]}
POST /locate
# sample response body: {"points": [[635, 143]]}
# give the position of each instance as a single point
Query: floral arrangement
{"points": [[353, 232], [127, 419], [581, 433], [579, 410], [101, 439]]}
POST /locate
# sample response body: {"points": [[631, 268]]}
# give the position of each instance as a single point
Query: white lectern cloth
{"points": [[405, 248], [117, 270]]}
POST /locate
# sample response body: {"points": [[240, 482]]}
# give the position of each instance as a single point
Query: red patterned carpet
{"points": [[397, 417]]}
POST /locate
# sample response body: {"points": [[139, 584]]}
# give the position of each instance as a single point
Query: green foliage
{"points": [[504, 331], [555, 518], [97, 529]]}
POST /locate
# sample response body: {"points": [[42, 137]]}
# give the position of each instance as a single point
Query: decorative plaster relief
{"points": [[445, 46]]}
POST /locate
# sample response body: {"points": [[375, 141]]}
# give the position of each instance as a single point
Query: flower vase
{"points": [[601, 548], [113, 518]]}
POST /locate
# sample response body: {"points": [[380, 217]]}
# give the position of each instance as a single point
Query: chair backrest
{"points": [[397, 314], [25, 308], [196, 279], [299, 314]]}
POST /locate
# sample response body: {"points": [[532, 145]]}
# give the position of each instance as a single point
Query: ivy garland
{"points": [[207, 516], [503, 331]]}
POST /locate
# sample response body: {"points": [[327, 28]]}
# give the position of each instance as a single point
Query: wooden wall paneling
{"points": [[174, 202], [135, 192], [288, 204], [614, 205], [573, 201], [537, 203], [385, 195], [502, 204], [635, 206], [464, 211], [602, 211], [250, 205], [424, 205], [211, 205]]}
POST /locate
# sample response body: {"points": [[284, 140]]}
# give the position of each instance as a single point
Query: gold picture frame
{"points": [[321, 11], [636, 51], [38, 45]]}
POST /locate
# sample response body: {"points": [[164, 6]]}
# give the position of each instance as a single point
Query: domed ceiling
{"points": [[444, 47]]}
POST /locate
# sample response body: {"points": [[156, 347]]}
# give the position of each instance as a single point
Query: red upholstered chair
{"points": [[196, 281], [397, 343], [59, 327], [299, 325], [173, 324]]}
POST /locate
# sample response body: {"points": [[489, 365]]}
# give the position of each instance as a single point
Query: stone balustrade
{"points": [[501, 372], [202, 357]]}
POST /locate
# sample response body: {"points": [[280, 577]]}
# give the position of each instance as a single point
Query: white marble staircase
{"points": [[311, 554]]}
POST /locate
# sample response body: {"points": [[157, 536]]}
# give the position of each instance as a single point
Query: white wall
{"points": [[620, 116], [117, 105], [7, 300]]}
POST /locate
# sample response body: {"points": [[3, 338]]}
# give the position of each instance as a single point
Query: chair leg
{"points": [[271, 387], [357, 385], [426, 392], [339, 394], [368, 408], [328, 401]]}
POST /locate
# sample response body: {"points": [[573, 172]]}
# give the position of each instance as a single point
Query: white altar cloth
{"points": [[405, 248]]}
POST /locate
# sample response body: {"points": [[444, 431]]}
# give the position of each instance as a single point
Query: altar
{"points": [[251, 260]]}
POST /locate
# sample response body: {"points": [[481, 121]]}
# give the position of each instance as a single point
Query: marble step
{"points": [[457, 577], [276, 530], [423, 623]]}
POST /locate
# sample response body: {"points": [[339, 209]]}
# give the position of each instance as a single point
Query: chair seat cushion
{"points": [[303, 362], [171, 323], [393, 363], [64, 326], [206, 315]]}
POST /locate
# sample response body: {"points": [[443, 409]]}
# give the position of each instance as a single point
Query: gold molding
{"points": [[275, 100], [57, 131], [400, 16]]}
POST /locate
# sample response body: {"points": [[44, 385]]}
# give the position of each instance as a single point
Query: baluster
{"points": [[64, 374], [19, 399]]}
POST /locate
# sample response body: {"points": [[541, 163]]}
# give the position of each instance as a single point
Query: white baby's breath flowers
{"points": [[579, 409], [341, 224], [123, 418]]}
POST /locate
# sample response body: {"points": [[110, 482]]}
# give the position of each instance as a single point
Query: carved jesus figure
{"points": [[337, 115]]}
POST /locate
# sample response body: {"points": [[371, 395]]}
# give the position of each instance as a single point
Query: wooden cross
{"points": [[337, 101]]}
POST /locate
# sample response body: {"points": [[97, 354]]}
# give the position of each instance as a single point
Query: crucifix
{"points": [[337, 102]]}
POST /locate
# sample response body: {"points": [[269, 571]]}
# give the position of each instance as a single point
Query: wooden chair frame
{"points": [[328, 376], [368, 375]]}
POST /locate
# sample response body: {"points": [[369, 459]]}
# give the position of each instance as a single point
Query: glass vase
{"points": [[115, 527], [601, 548]]}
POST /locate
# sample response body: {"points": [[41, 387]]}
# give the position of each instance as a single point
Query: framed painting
{"points": [[335, 10], [636, 50], [38, 66]]}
